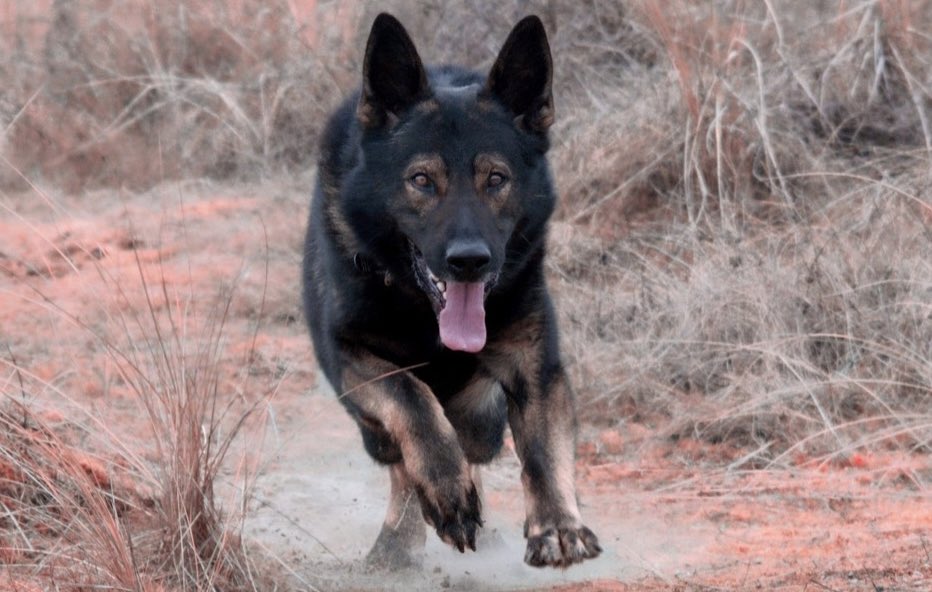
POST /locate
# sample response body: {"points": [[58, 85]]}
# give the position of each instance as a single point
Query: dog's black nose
{"points": [[468, 259]]}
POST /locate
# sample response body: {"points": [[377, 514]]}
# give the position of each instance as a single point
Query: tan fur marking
{"points": [[485, 105], [475, 471], [403, 531], [519, 349], [483, 166], [544, 117], [335, 218], [550, 420], [368, 115], [361, 381], [344, 233], [402, 496], [564, 467], [428, 106], [478, 395], [534, 526], [435, 168]]}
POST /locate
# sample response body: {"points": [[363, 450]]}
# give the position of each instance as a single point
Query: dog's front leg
{"points": [[542, 415], [400, 413]]}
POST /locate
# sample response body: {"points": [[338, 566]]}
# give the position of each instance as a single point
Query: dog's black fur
{"points": [[427, 178]]}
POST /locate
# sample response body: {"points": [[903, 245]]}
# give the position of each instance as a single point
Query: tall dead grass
{"points": [[762, 278], [88, 504], [63, 514], [130, 94]]}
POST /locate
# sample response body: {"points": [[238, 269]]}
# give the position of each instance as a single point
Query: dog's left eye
{"points": [[421, 180], [496, 180]]}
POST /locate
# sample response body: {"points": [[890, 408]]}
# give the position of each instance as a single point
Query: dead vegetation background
{"points": [[743, 253], [112, 451]]}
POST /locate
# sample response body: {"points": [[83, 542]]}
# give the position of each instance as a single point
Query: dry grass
{"points": [[762, 276], [743, 252], [63, 514], [86, 505], [130, 94]]}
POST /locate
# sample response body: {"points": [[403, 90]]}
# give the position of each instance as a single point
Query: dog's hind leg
{"points": [[404, 533], [487, 538]]}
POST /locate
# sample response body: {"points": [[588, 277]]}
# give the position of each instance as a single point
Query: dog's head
{"points": [[457, 168]]}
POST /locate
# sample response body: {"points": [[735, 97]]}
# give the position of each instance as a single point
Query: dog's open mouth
{"points": [[459, 306]]}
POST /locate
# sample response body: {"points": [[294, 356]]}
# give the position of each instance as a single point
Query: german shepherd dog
{"points": [[425, 294]]}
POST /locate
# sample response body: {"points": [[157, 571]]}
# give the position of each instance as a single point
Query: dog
{"points": [[425, 294]]}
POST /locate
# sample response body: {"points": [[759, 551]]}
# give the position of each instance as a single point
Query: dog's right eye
{"points": [[421, 181]]}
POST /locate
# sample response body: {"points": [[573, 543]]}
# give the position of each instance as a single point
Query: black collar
{"points": [[367, 266], [363, 263]]}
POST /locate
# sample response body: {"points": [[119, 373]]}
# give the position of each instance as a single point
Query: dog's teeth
{"points": [[442, 286]]}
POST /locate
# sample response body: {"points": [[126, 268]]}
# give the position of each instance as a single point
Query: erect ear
{"points": [[393, 76], [522, 76]]}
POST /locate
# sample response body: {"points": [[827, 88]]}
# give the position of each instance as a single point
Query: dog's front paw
{"points": [[453, 508], [561, 546]]}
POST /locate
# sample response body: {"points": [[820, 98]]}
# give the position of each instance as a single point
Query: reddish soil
{"points": [[672, 515]]}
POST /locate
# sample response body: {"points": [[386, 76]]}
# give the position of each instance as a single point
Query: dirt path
{"points": [[855, 527], [321, 502], [678, 515]]}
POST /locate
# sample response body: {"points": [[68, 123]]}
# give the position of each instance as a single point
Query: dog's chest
{"points": [[449, 373]]}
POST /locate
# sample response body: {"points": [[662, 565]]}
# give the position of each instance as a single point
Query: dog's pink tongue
{"points": [[462, 320]]}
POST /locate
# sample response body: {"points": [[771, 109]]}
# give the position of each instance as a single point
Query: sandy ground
{"points": [[671, 515], [664, 520], [322, 500]]}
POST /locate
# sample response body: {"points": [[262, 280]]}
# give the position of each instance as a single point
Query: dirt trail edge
{"points": [[668, 520], [321, 500]]}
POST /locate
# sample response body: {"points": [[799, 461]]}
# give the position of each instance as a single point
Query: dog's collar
{"points": [[367, 266], [363, 263]]}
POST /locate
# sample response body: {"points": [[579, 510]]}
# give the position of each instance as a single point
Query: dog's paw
{"points": [[392, 553], [562, 547], [453, 508]]}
